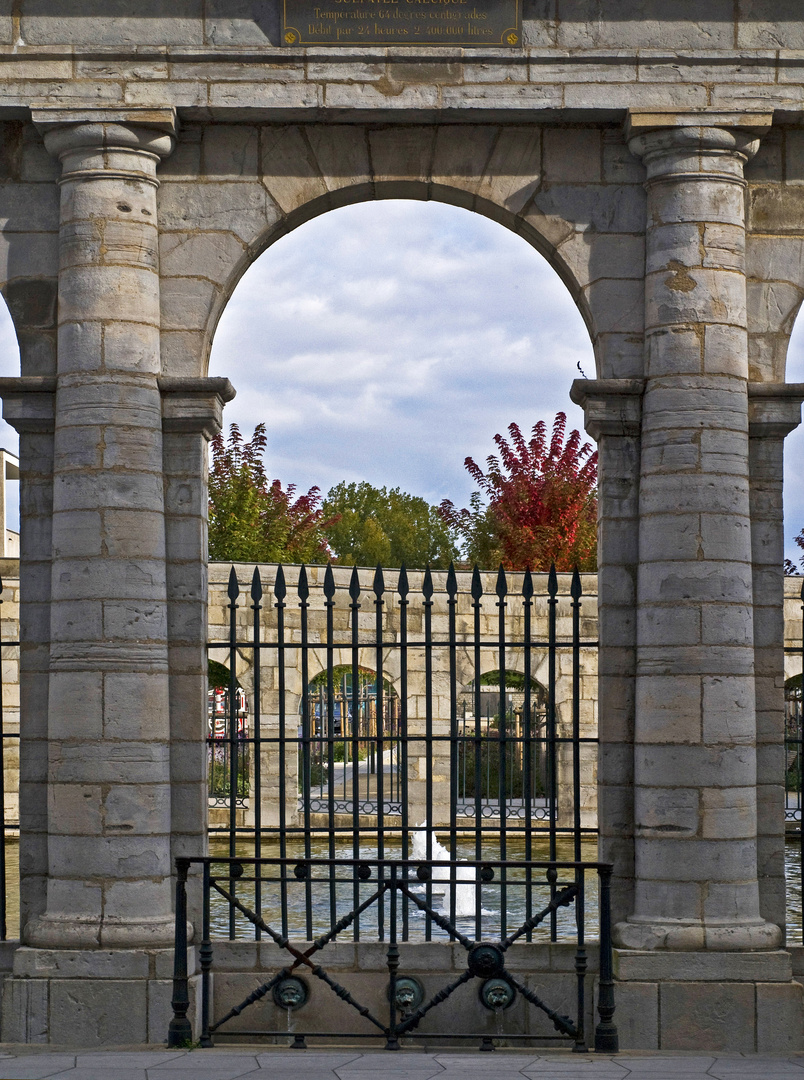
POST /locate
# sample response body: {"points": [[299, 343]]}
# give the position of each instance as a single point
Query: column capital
{"points": [[194, 406], [611, 406], [774, 409], [126, 143], [695, 145]]}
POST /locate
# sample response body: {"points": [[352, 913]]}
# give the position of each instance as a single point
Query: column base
{"points": [[689, 934], [90, 998], [90, 932], [708, 1002]]}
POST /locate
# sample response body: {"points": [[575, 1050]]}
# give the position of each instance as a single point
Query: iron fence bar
{"points": [[379, 589], [427, 593], [452, 589], [581, 962], [413, 1021], [254, 996], [606, 1037], [477, 593], [575, 593], [205, 958], [180, 1031], [329, 593], [233, 592], [424, 644], [552, 795], [560, 1023], [280, 592], [304, 592], [392, 1042], [354, 593], [527, 748], [256, 712], [402, 589], [502, 743]]}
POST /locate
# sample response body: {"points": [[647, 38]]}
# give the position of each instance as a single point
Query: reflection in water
{"points": [[319, 894], [792, 873]]}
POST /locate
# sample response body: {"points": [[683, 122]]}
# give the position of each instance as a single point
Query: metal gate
{"points": [[422, 767]]}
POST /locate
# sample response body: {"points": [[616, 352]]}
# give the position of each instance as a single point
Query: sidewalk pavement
{"points": [[31, 1063]]}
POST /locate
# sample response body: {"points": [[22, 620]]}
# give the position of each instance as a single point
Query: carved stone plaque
{"points": [[496, 23]]}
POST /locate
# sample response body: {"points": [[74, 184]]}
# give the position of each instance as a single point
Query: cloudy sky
{"points": [[386, 341]]}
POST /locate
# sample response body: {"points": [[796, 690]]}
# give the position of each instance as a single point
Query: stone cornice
{"points": [[194, 406], [774, 409], [29, 402], [611, 406]]}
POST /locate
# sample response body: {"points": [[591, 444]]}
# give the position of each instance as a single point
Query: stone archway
{"points": [[115, 412]]}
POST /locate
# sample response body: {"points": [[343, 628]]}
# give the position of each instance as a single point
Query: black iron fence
{"points": [[404, 733], [385, 893]]}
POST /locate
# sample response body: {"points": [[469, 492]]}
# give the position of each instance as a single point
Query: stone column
{"points": [[774, 410], [695, 721], [108, 856], [612, 411], [28, 405], [191, 415]]}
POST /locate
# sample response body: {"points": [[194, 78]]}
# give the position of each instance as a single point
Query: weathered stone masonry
{"points": [[655, 155]]}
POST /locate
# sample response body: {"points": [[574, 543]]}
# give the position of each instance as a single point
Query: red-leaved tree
{"points": [[541, 504], [252, 519]]}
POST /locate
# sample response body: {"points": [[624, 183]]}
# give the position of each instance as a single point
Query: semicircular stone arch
{"points": [[230, 191]]}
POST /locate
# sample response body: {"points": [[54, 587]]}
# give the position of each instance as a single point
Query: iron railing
{"points": [[385, 892], [435, 767]]}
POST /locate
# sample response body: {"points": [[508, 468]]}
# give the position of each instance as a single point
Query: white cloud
{"points": [[388, 341]]}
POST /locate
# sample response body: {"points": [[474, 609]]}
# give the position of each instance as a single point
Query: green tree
{"points": [[252, 519], [374, 525]]}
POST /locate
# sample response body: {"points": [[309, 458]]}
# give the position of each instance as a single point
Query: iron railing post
{"points": [[392, 1042], [180, 1031], [606, 1038], [206, 962]]}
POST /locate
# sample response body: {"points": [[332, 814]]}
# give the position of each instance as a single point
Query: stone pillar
{"points": [[28, 405], [108, 855], [191, 415], [774, 410], [695, 722], [612, 411]]}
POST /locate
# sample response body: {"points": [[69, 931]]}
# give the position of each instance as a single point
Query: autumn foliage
{"points": [[252, 519], [540, 502]]}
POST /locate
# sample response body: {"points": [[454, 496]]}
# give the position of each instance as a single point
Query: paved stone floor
{"points": [[28, 1063]]}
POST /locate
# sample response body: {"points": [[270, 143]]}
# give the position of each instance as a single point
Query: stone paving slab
{"points": [[33, 1063]]}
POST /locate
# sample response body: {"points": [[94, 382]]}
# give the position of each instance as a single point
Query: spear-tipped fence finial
{"points": [[280, 588]]}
